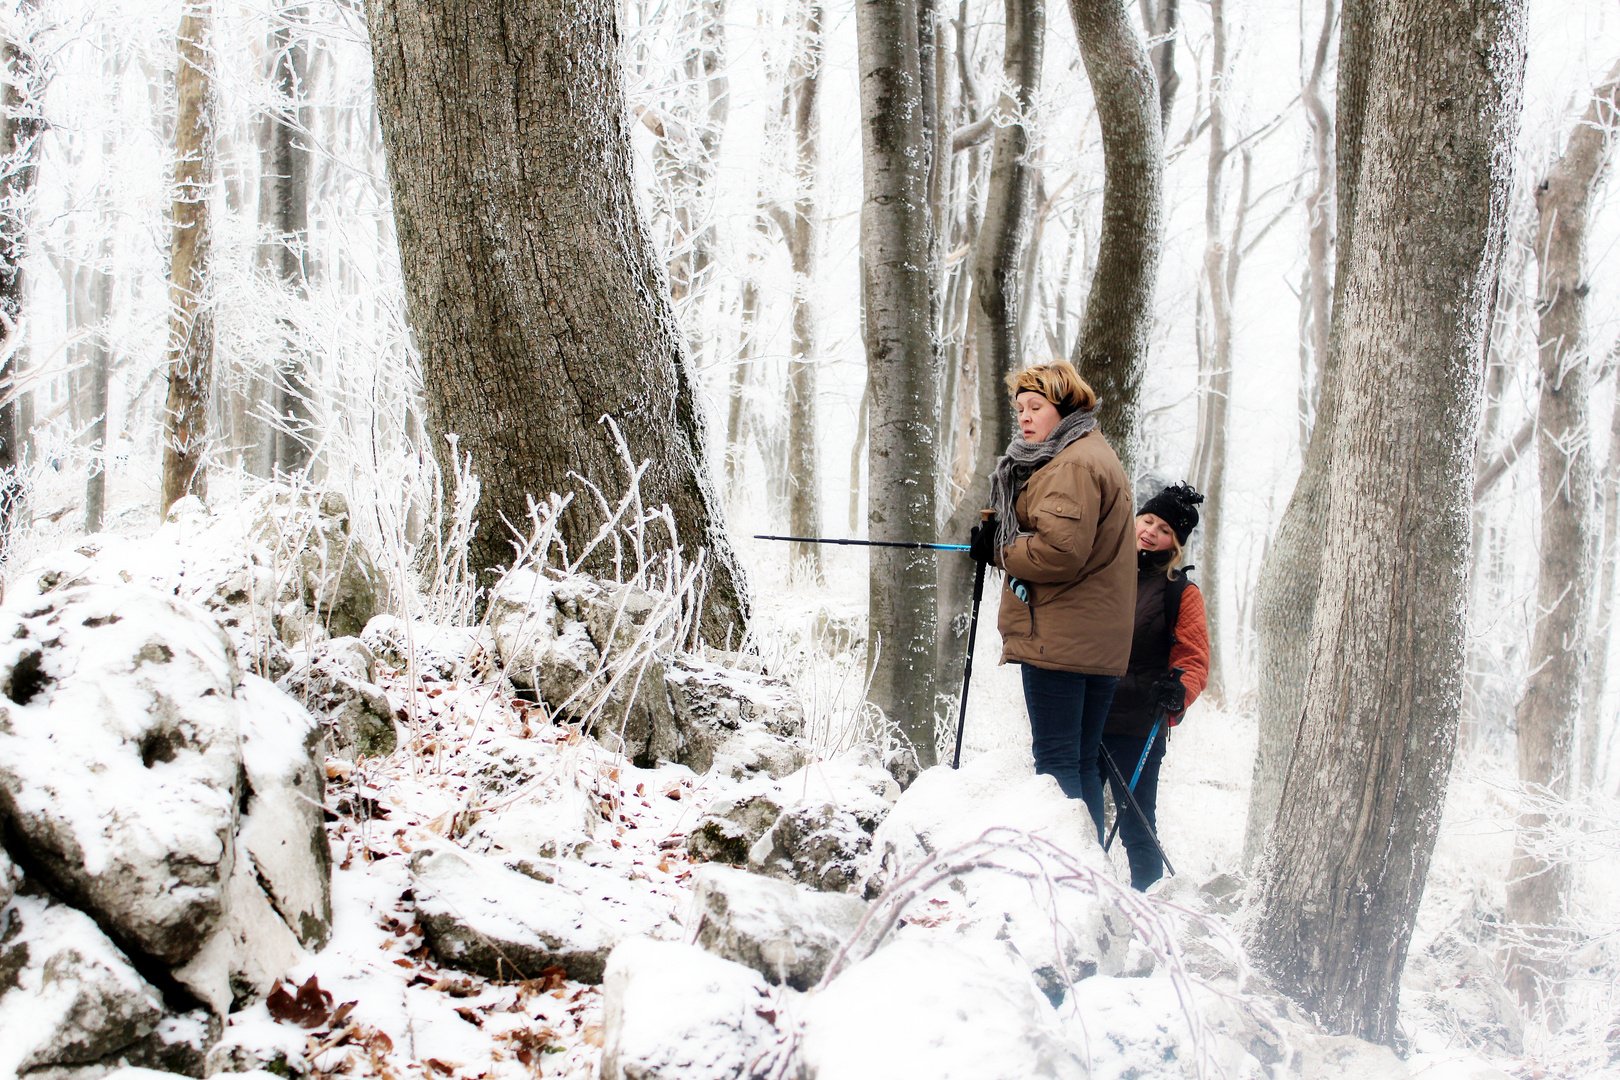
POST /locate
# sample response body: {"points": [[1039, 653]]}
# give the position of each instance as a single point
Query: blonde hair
{"points": [[1178, 553], [1057, 382]]}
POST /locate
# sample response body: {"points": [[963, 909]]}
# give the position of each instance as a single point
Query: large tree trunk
{"points": [[804, 472], [1538, 888], [191, 315], [20, 128], [1285, 601], [902, 363], [997, 291], [533, 290], [1111, 349], [286, 189], [1345, 867]]}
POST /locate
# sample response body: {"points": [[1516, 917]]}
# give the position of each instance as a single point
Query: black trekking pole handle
{"points": [[967, 662], [1130, 797]]}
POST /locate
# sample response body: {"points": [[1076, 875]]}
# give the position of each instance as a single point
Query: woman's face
{"points": [[1153, 533], [1036, 416]]}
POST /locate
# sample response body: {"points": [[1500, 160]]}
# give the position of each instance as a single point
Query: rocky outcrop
{"points": [[336, 679], [482, 917], [672, 1010], [787, 933]]}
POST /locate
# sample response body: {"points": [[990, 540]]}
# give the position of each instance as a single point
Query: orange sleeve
{"points": [[1190, 653]]}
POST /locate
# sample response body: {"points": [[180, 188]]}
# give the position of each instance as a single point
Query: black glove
{"points": [[982, 541], [1169, 694]]}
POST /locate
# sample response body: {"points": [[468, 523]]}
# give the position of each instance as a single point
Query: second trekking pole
{"points": [[1130, 797], [1135, 776], [967, 664]]}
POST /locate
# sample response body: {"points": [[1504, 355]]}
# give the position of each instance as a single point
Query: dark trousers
{"points": [[1126, 750], [1066, 716]]}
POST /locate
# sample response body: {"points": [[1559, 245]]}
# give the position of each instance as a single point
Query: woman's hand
{"points": [[982, 541]]}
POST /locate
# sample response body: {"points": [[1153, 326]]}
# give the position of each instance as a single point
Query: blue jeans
{"points": [[1126, 750], [1066, 715]]}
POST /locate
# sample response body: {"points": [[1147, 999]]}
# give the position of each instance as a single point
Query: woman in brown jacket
{"points": [[1063, 534]]}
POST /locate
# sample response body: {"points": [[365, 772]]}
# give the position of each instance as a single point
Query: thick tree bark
{"points": [[285, 189], [1290, 576], [20, 128], [533, 290], [997, 256], [804, 472], [902, 363], [1111, 349], [1538, 887], [1344, 869], [191, 316]]}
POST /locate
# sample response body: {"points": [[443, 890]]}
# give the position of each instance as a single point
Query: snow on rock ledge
{"points": [[942, 1010], [786, 933], [1065, 934], [119, 758], [673, 1010], [482, 917], [67, 995], [601, 649]]}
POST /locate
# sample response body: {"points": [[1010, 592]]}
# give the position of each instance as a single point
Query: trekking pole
{"points": [[913, 544], [967, 663], [1130, 797], [1135, 776]]}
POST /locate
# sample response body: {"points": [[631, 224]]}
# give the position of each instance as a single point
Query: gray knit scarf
{"points": [[1019, 463]]}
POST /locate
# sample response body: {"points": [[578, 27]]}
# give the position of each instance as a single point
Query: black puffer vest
{"points": [[1132, 710]]}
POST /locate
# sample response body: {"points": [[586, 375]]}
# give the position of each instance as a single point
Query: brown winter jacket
{"points": [[1079, 565]]}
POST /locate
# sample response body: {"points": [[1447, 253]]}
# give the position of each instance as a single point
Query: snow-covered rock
{"points": [[335, 679], [433, 650], [743, 720], [942, 1010], [673, 1010], [733, 823], [1141, 1028], [283, 829], [1066, 933], [119, 758], [248, 949], [10, 878], [335, 588], [787, 933], [67, 995], [480, 916], [812, 826]]}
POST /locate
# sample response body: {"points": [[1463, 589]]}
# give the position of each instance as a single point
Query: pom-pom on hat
{"points": [[1177, 507]]}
